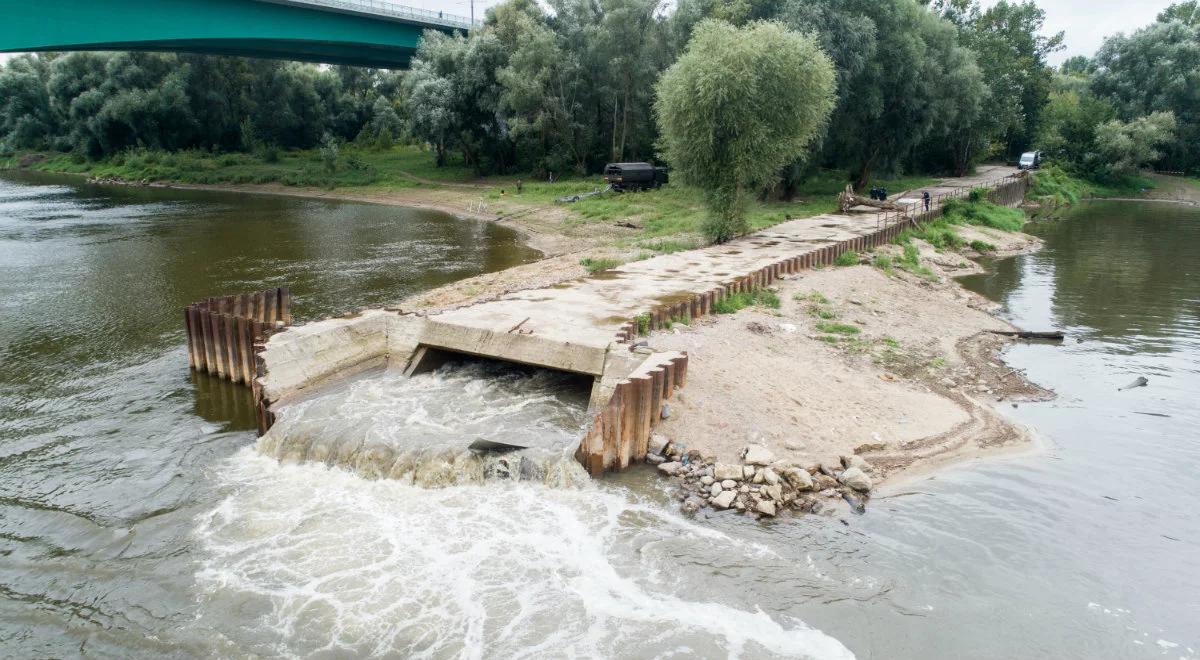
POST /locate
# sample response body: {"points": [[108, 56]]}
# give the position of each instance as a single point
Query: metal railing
{"points": [[915, 210], [385, 9]]}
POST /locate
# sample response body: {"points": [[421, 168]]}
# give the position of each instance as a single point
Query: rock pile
{"points": [[759, 485]]}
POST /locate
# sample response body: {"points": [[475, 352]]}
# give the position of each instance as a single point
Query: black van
{"points": [[634, 176]]}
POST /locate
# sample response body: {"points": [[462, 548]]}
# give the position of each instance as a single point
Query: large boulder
{"points": [[725, 499], [723, 471], [757, 455], [857, 479], [671, 468], [799, 478], [766, 507]]}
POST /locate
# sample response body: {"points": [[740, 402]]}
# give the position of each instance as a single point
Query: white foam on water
{"points": [[302, 560]]}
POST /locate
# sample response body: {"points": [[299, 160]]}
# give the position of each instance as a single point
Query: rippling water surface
{"points": [[137, 520]]}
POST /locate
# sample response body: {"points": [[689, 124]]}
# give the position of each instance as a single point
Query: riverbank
{"points": [[888, 371]]}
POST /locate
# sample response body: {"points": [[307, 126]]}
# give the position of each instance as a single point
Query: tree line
{"points": [[562, 87]]}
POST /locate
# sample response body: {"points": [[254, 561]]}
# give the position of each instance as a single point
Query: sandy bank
{"points": [[894, 368]]}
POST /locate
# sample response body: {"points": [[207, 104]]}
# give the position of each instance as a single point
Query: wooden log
{"points": [[285, 305], [210, 353], [1054, 335], [191, 340], [197, 347], [643, 383], [612, 431], [245, 349], [628, 423], [668, 380], [230, 340], [656, 395], [681, 365], [218, 347], [272, 312]]}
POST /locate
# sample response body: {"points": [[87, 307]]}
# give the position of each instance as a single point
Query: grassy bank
{"points": [[664, 220], [1057, 187]]}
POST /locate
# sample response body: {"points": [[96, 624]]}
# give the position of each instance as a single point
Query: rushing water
{"points": [[136, 522]]}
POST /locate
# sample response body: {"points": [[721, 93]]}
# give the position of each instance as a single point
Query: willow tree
{"points": [[738, 105]]}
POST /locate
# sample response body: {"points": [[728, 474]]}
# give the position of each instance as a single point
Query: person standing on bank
{"points": [[925, 198]]}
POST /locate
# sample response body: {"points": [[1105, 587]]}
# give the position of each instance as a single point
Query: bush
{"points": [[597, 264], [847, 258]]}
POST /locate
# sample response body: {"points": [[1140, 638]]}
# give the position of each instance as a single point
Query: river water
{"points": [[136, 519]]}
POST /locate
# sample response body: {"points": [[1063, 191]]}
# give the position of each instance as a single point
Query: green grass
{"points": [[838, 328], [822, 313], [739, 301], [983, 213], [597, 264], [982, 246], [643, 324], [1056, 186], [847, 258], [884, 262], [813, 296]]}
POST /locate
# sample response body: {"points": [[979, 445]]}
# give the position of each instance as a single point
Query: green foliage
{"points": [[597, 264], [329, 154], [738, 105], [1154, 70], [838, 328], [984, 213], [847, 258], [982, 246], [883, 262], [643, 324], [761, 297], [1126, 147]]}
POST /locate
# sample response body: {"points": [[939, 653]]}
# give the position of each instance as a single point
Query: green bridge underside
{"points": [[218, 27]]}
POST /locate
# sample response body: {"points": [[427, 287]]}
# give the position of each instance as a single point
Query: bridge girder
{"points": [[217, 27]]}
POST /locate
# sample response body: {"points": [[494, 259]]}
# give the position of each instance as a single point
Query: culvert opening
{"points": [[421, 428]]}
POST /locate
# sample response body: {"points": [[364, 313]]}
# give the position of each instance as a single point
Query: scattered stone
{"points": [[830, 469], [766, 507], [769, 476], [655, 459], [856, 505], [829, 492], [823, 482], [670, 468], [744, 489], [794, 445], [787, 327], [725, 499], [856, 479], [729, 484], [799, 479], [692, 504], [658, 443], [774, 492], [706, 480], [758, 477], [856, 462], [747, 471], [722, 471], [949, 382], [757, 455], [714, 489], [666, 411]]}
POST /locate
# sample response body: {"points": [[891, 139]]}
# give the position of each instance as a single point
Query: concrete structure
{"points": [[373, 33], [589, 325]]}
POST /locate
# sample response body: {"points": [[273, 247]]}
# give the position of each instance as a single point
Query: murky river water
{"points": [[136, 521]]}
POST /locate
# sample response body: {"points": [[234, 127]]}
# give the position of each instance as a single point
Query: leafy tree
{"points": [[1187, 13], [1156, 69], [737, 105], [1129, 146]]}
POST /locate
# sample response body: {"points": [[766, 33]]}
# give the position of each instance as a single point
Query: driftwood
{"points": [[1055, 335], [848, 199]]}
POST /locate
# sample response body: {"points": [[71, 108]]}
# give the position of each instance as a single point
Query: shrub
{"points": [[847, 258], [597, 264]]}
